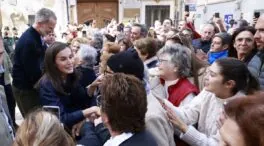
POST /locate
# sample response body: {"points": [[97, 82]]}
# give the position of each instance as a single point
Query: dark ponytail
{"points": [[236, 70], [252, 84]]}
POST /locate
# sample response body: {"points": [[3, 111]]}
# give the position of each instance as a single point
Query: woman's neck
{"points": [[171, 78], [225, 95]]}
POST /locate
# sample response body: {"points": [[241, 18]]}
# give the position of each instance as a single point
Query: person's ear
{"points": [[175, 69], [230, 84], [234, 45], [105, 118], [225, 47]]}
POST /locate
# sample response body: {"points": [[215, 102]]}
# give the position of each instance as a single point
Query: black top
{"points": [[28, 59], [143, 138]]}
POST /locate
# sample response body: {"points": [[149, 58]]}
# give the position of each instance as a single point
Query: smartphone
{"points": [[186, 8], [53, 109], [256, 14], [84, 34], [217, 15]]}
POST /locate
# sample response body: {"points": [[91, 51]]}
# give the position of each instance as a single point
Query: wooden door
{"points": [[102, 12]]}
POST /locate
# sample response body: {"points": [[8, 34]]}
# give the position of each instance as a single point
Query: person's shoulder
{"points": [[45, 82], [196, 42]]}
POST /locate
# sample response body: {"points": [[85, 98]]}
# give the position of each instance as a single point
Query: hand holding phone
{"points": [[217, 15], [53, 109]]}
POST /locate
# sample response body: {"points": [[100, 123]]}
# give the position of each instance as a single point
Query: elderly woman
{"points": [[96, 40], [243, 46], [86, 59], [174, 67]]}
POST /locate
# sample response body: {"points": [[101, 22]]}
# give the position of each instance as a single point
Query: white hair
{"points": [[88, 55]]}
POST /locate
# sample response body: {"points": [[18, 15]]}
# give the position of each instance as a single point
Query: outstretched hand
{"points": [[172, 117]]}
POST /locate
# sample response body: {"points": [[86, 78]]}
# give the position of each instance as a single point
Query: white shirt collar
{"points": [[150, 60], [117, 140]]}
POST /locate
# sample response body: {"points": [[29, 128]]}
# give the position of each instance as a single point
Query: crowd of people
{"points": [[126, 85]]}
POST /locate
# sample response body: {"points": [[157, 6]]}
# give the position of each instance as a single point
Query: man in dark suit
{"points": [[28, 60]]}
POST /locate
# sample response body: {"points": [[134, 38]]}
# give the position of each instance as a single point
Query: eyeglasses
{"points": [[162, 60]]}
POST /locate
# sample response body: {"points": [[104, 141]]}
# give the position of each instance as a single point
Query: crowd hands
{"points": [[129, 85]]}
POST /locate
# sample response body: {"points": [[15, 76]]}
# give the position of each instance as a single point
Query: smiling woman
{"points": [[59, 86], [243, 46]]}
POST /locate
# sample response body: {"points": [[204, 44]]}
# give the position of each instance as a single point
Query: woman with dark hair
{"points": [[243, 46], [228, 79], [124, 43], [244, 125], [60, 84]]}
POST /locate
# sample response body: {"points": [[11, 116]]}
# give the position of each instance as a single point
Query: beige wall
{"points": [[17, 15]]}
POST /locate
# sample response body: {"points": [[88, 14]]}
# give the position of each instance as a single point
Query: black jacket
{"points": [[97, 136], [28, 59]]}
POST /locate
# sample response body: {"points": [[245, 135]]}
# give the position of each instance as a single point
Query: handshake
{"points": [[92, 114]]}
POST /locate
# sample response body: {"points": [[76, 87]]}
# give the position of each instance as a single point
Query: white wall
{"points": [[247, 7], [142, 5], [223, 8], [30, 7], [123, 4]]}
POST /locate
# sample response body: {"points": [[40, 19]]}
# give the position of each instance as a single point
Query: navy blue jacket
{"points": [[71, 105], [143, 138], [28, 59], [94, 136], [199, 44]]}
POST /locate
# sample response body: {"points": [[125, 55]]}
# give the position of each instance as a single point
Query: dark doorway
{"points": [[155, 12]]}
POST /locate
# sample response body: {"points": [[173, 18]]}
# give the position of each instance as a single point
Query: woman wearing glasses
{"points": [[174, 68]]}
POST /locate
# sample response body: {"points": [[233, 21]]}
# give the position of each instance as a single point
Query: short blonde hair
{"points": [[42, 128], [81, 40]]}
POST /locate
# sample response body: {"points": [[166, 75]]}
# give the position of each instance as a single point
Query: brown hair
{"points": [[81, 40], [124, 101], [53, 74], [42, 128], [126, 42], [248, 113], [146, 46], [110, 49]]}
